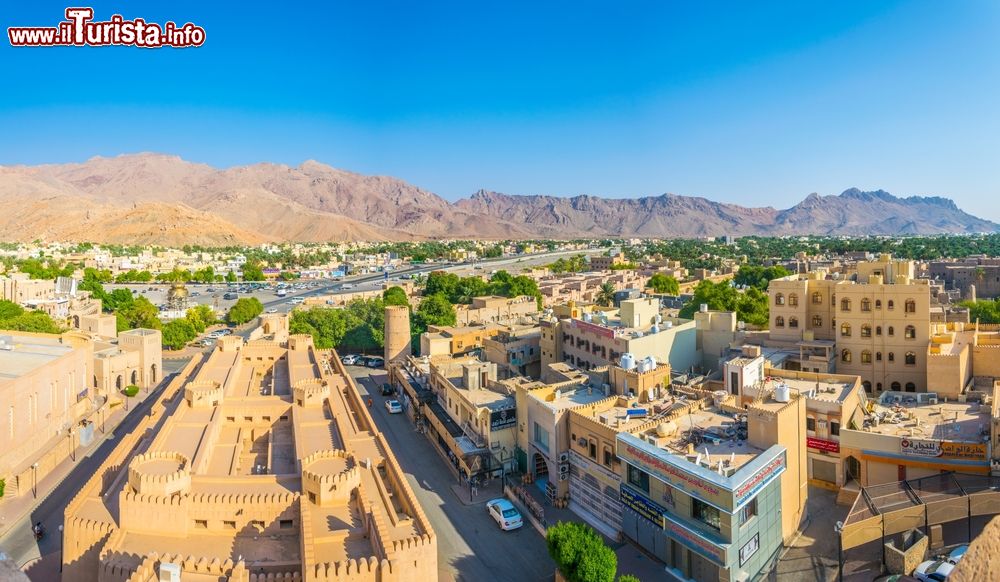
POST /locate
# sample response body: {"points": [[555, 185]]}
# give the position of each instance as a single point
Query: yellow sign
{"points": [[953, 450]]}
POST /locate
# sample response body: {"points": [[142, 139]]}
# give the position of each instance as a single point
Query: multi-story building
{"points": [[714, 490], [974, 277], [259, 459], [441, 340], [599, 339], [515, 350], [499, 310], [606, 262], [881, 326]]}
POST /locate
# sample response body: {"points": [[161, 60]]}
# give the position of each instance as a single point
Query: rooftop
{"points": [[823, 387], [28, 353], [924, 416], [705, 437]]}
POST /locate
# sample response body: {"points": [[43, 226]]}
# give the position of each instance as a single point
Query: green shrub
{"points": [[3, 484], [580, 553]]}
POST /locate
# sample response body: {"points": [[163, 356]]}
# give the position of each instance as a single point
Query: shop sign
{"points": [[695, 542], [501, 419], [665, 469], [749, 549], [955, 450], [823, 445], [644, 507], [920, 447], [759, 479]]}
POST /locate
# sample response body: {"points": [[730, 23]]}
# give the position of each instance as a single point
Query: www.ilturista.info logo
{"points": [[79, 29]]}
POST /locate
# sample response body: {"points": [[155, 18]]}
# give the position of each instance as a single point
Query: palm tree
{"points": [[606, 296]]}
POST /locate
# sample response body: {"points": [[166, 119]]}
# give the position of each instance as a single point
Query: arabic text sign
{"points": [[823, 445], [501, 419], [644, 507], [920, 447], [953, 450]]}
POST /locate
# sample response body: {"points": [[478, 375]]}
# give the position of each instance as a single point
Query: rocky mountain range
{"points": [[153, 198]]}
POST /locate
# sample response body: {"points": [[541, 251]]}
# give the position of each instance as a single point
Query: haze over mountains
{"points": [[153, 198]]}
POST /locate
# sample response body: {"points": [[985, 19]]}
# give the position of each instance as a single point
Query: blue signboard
{"points": [[644, 507]]}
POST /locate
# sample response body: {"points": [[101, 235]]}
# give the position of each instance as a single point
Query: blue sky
{"points": [[758, 103]]}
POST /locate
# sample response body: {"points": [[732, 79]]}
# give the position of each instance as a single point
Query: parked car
{"points": [[393, 406], [933, 571], [374, 362], [505, 514], [350, 359], [896, 578], [387, 389], [272, 310], [229, 296], [957, 554]]}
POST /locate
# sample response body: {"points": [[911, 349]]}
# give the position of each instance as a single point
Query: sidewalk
{"points": [[13, 510]]}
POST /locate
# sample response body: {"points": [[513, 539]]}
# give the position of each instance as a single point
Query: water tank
{"points": [[703, 308], [782, 393], [658, 318], [627, 361], [652, 362], [665, 429], [654, 329], [719, 396], [642, 366], [588, 317], [668, 325]]}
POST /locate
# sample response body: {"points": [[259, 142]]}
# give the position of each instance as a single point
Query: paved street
{"points": [[470, 545]]}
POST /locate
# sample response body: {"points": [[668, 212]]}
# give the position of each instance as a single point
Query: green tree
{"points": [[327, 326], [750, 306], [177, 333], [984, 310], [141, 313], [759, 277], [9, 309], [230, 277], [662, 283], [201, 316], [441, 283], [252, 272], [606, 294], [433, 310], [395, 295], [29, 321], [244, 310], [580, 553]]}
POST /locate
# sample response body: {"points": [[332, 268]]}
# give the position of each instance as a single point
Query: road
{"points": [[363, 282], [470, 545], [19, 543]]}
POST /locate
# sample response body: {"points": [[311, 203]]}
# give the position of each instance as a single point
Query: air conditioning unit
{"points": [[582, 442], [563, 468], [563, 457], [563, 476]]}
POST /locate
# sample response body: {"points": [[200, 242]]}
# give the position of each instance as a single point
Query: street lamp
{"points": [[34, 480], [60, 547], [839, 529]]}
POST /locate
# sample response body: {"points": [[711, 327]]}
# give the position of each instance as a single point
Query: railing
{"points": [[473, 434]]}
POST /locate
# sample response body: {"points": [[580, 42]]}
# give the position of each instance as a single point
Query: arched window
{"points": [[866, 357], [890, 305], [817, 298], [895, 386], [817, 321], [845, 330], [892, 357], [878, 330], [867, 385], [845, 356], [793, 300], [779, 321], [910, 333], [878, 304], [866, 330], [911, 359], [779, 298], [890, 331], [793, 322], [911, 387], [845, 304], [878, 356], [833, 299], [910, 306], [866, 304], [878, 386]]}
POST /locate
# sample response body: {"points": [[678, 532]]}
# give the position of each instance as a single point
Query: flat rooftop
{"points": [[28, 353], [710, 434], [828, 388], [899, 413]]}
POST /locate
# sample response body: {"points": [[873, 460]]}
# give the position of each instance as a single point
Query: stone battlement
{"points": [[160, 473], [329, 477]]}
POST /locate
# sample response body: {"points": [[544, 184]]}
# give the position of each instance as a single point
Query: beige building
{"points": [[606, 262], [602, 338], [260, 458], [516, 351], [441, 340], [881, 326], [54, 389], [492, 309]]}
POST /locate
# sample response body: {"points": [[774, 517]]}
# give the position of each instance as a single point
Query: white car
{"points": [[393, 406], [273, 310], [505, 514], [933, 571], [349, 359]]}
